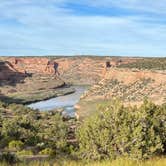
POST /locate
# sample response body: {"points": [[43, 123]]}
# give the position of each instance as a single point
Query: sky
{"points": [[83, 27]]}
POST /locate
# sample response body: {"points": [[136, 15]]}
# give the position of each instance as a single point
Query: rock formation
{"points": [[34, 65], [9, 74], [75, 70]]}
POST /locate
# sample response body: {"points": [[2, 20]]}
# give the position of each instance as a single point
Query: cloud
{"points": [[32, 27]]}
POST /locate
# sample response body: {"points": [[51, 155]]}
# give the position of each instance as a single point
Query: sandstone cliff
{"points": [[75, 70]]}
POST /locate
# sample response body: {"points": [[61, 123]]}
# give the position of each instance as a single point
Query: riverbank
{"points": [[34, 89]]}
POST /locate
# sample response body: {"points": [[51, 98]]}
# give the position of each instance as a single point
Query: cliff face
{"points": [[75, 70], [34, 65], [9, 73], [87, 70]]}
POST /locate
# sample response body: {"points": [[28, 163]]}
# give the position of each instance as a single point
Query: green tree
{"points": [[56, 132], [123, 131]]}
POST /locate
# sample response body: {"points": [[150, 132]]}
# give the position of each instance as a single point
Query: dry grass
{"points": [[119, 162]]}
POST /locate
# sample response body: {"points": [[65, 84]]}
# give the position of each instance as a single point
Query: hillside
{"points": [[129, 85]]}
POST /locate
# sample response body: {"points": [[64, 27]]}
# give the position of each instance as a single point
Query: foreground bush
{"points": [[16, 145], [119, 131], [8, 158], [22, 128], [47, 151], [25, 152]]}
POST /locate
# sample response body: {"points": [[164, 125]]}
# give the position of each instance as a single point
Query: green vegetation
{"points": [[16, 145], [147, 63], [117, 131], [115, 135], [119, 162], [24, 131]]}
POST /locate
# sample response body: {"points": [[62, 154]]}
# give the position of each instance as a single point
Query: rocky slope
{"points": [[129, 85]]}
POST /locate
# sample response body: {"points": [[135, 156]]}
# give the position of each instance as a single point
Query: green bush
{"points": [[16, 145], [25, 152], [56, 133], [10, 128], [8, 158], [47, 151], [21, 128], [3, 105], [120, 131], [4, 142]]}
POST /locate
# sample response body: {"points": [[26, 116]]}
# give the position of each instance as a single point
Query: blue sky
{"points": [[83, 27]]}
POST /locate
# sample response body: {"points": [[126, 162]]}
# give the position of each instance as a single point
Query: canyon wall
{"points": [[9, 73], [74, 70]]}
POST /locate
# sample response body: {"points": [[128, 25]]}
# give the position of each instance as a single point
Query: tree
{"points": [[123, 131]]}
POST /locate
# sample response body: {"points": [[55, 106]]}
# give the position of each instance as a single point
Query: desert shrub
{"points": [[16, 145], [21, 128], [4, 142], [3, 105], [120, 131], [11, 128], [47, 151], [19, 109], [25, 152], [56, 133], [8, 158], [147, 63]]}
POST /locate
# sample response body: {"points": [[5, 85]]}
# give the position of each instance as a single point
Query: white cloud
{"points": [[46, 27]]}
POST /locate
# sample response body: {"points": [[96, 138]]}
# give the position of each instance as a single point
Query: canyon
{"points": [[31, 79]]}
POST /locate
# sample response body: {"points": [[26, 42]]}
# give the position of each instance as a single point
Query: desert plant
{"points": [[16, 145], [123, 131], [56, 132], [24, 152], [8, 158], [47, 151]]}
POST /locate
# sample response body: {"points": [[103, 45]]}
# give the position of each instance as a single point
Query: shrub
{"points": [[25, 152], [47, 151], [16, 145], [4, 142], [56, 133], [119, 131], [3, 105], [8, 158], [10, 128]]}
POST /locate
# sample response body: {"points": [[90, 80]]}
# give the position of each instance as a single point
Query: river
{"points": [[66, 102]]}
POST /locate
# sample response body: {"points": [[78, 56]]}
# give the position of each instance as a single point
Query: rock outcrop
{"points": [[9, 74], [34, 65]]}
